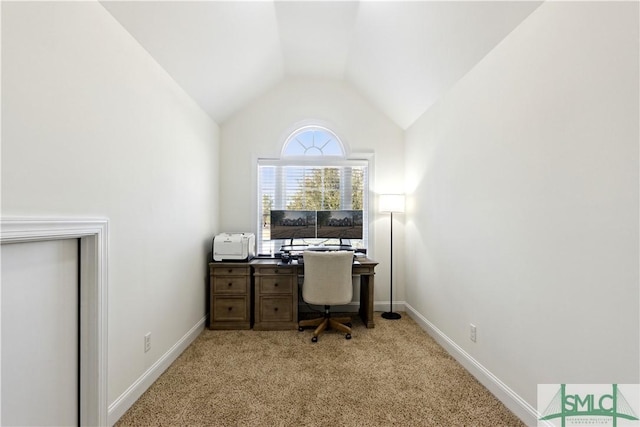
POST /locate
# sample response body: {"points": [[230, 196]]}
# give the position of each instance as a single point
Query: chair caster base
{"points": [[348, 336]]}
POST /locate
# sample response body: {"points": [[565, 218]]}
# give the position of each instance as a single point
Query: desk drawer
{"points": [[229, 270], [230, 285], [276, 285], [276, 309], [228, 309], [280, 271]]}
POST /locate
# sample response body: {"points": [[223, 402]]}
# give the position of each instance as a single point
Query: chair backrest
{"points": [[327, 277]]}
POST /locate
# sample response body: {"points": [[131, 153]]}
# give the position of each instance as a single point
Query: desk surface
{"points": [[363, 261]]}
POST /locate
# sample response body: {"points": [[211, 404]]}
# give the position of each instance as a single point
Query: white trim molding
{"points": [[93, 236], [527, 413]]}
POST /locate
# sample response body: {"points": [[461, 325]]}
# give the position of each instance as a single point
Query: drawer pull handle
{"points": [[276, 270], [275, 309], [275, 284], [230, 284], [230, 308], [230, 270]]}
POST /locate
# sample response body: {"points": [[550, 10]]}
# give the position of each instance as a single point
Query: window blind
{"points": [[327, 185]]}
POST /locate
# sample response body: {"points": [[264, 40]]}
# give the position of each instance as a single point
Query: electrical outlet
{"points": [[147, 342], [472, 332]]}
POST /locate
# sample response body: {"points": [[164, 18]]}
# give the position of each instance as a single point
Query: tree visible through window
{"points": [[322, 189], [313, 174]]}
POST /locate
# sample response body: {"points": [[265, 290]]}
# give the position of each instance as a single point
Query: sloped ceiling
{"points": [[401, 56]]}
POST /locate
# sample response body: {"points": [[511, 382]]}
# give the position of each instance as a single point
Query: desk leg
{"points": [[366, 300]]}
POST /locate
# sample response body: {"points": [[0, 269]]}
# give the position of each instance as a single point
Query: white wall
{"points": [[524, 202], [260, 129], [93, 127]]}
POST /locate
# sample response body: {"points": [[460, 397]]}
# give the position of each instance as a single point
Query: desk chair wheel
{"points": [[314, 339], [300, 328], [348, 336]]}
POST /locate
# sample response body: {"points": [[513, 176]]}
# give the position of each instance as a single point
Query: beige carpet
{"points": [[393, 374]]}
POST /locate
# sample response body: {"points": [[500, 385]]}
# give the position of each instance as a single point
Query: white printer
{"points": [[234, 246]]}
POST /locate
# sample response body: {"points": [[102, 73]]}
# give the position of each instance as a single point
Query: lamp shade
{"points": [[391, 203]]}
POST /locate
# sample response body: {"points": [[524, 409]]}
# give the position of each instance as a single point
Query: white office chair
{"points": [[327, 281]]}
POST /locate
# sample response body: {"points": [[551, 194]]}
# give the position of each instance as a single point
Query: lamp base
{"points": [[390, 315]]}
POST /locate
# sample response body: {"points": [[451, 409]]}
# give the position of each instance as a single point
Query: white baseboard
{"points": [[523, 410], [118, 408]]}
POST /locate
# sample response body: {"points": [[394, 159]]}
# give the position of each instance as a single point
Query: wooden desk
{"points": [[269, 292]]}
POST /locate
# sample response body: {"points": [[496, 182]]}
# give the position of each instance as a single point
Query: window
{"points": [[313, 141], [313, 173]]}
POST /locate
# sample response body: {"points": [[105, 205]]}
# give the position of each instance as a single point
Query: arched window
{"points": [[313, 141], [313, 173]]}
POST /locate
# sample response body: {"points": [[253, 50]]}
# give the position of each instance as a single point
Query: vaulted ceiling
{"points": [[401, 56]]}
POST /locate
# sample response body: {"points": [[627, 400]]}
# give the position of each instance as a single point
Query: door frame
{"points": [[93, 236]]}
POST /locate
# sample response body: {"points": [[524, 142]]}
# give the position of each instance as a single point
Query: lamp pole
{"points": [[390, 314]]}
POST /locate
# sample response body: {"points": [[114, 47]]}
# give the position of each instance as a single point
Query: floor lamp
{"points": [[391, 203]]}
